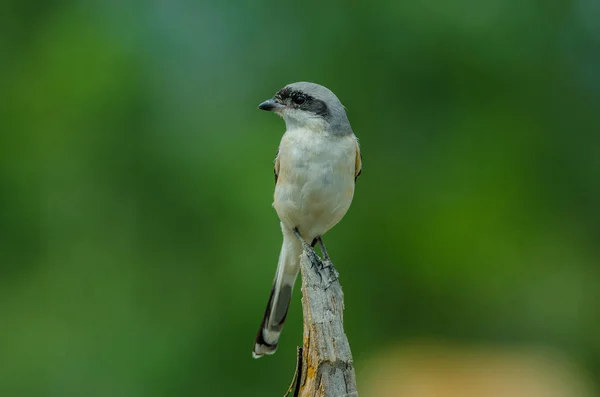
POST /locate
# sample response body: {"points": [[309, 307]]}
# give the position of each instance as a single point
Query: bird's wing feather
{"points": [[358, 165], [276, 167]]}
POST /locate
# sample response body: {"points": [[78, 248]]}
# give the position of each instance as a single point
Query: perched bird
{"points": [[315, 172]]}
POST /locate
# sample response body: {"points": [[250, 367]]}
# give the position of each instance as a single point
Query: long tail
{"points": [[281, 294]]}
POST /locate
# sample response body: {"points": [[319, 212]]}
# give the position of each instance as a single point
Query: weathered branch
{"points": [[327, 366]]}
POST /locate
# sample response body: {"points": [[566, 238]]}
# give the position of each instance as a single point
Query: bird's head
{"points": [[309, 105]]}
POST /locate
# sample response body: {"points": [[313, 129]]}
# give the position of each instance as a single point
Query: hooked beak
{"points": [[271, 105]]}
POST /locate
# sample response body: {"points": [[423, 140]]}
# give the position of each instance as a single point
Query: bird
{"points": [[316, 168]]}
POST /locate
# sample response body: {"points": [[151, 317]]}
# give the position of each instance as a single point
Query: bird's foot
{"points": [[308, 249], [323, 267], [315, 261], [328, 273]]}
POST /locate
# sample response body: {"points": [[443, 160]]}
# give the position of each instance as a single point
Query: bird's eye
{"points": [[299, 99]]}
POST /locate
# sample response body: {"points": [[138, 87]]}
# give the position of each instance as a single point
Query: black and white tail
{"points": [[279, 300]]}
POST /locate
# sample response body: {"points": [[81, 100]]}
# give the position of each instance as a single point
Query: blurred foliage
{"points": [[137, 238]]}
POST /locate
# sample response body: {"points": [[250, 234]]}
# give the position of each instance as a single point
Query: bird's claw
{"points": [[312, 256], [328, 273], [324, 268]]}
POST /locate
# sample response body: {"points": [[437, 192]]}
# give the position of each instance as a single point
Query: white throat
{"points": [[295, 119]]}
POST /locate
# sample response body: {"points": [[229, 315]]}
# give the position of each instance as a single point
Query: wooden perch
{"points": [[325, 367]]}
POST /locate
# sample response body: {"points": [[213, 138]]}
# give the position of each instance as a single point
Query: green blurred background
{"points": [[137, 238]]}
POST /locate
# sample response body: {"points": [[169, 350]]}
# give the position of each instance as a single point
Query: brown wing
{"points": [[276, 167], [358, 166]]}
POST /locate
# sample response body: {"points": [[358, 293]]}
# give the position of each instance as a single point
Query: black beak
{"points": [[270, 105]]}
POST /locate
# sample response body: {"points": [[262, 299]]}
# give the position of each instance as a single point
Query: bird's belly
{"points": [[314, 190]]}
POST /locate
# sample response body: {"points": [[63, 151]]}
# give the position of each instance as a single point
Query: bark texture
{"points": [[327, 368]]}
